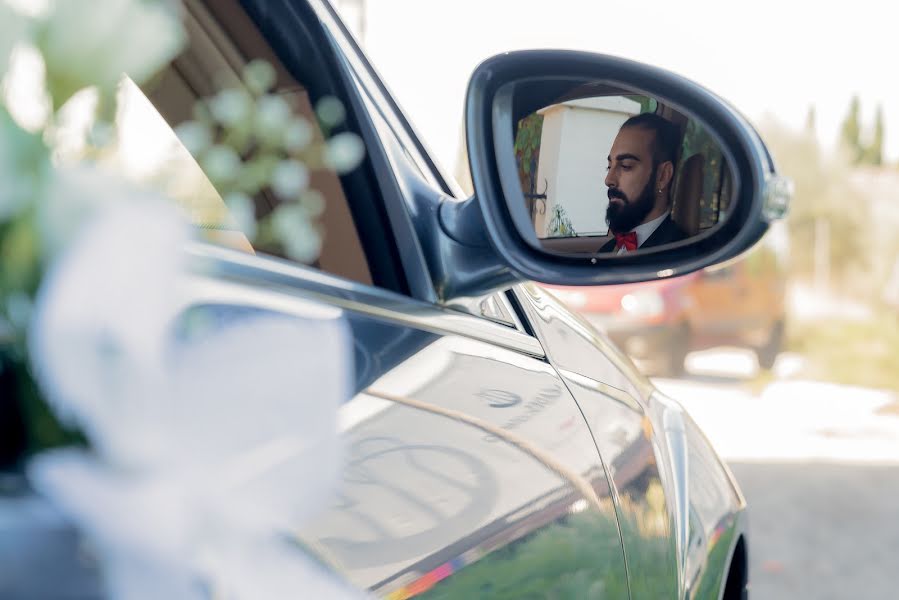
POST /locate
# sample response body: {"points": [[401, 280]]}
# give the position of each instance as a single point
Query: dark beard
{"points": [[623, 218]]}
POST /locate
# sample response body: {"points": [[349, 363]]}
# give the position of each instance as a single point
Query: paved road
{"points": [[822, 530], [819, 465]]}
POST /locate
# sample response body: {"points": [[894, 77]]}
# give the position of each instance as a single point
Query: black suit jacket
{"points": [[667, 232]]}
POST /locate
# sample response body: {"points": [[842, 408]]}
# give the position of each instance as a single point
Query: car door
{"points": [[647, 483], [468, 468], [540, 484]]}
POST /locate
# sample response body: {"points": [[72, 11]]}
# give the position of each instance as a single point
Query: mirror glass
{"points": [[606, 170]]}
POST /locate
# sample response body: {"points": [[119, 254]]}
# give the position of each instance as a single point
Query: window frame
{"points": [[296, 37], [399, 122]]}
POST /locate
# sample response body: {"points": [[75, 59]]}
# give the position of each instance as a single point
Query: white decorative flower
{"points": [[13, 29], [314, 203], [273, 571], [72, 195], [241, 208], [344, 152], [272, 117], [97, 341], [259, 76], [208, 448], [24, 89], [330, 111], [294, 228], [93, 44], [297, 135], [231, 107], [221, 164], [289, 178], [195, 136]]}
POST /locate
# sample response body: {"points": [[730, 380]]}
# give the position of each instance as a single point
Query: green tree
{"points": [[808, 141], [850, 133], [874, 151], [823, 190]]}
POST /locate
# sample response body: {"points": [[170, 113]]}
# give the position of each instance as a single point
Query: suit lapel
{"points": [[608, 246], [662, 234]]}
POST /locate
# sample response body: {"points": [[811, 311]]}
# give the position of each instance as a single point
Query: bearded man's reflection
{"points": [[640, 176]]}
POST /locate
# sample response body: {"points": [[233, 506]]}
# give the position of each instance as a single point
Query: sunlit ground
{"points": [[788, 418]]}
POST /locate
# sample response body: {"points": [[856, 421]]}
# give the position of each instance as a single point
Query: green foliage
{"points": [[874, 151], [860, 151], [850, 132], [851, 352], [41, 428], [560, 223], [578, 557], [647, 103], [716, 568], [527, 145], [823, 190], [698, 141]]}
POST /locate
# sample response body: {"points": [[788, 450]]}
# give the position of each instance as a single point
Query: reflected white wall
{"points": [[574, 147]]}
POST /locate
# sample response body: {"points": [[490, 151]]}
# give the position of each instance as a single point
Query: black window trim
{"points": [[285, 25], [350, 46], [224, 273]]}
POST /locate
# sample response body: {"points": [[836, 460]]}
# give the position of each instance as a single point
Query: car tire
{"points": [[767, 353]]}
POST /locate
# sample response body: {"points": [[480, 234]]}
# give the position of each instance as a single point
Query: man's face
{"points": [[631, 179]]}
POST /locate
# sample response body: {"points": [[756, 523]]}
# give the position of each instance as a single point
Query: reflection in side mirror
{"points": [[543, 127], [607, 170]]}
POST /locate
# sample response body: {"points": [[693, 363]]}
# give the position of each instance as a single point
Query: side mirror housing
{"points": [[557, 131]]}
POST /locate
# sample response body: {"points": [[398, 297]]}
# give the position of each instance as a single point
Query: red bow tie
{"points": [[626, 240]]}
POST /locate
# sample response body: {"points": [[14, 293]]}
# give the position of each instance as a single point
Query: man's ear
{"points": [[665, 174]]}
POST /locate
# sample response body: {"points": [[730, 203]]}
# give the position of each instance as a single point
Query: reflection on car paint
{"points": [[624, 436], [573, 344], [630, 436], [455, 489], [715, 508]]}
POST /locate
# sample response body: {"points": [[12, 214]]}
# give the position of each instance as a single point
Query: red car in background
{"points": [[658, 323]]}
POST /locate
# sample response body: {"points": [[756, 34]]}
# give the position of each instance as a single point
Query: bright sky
{"points": [[775, 56]]}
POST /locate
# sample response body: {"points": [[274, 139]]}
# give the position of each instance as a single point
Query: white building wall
{"points": [[574, 148]]}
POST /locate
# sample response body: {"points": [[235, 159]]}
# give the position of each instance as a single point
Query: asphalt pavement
{"points": [[819, 466], [822, 530]]}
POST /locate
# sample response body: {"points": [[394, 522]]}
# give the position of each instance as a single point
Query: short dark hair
{"points": [[667, 136]]}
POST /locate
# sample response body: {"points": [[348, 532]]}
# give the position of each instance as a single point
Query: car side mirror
{"points": [[590, 170]]}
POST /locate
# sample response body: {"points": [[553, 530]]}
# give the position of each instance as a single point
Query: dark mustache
{"points": [[616, 193]]}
